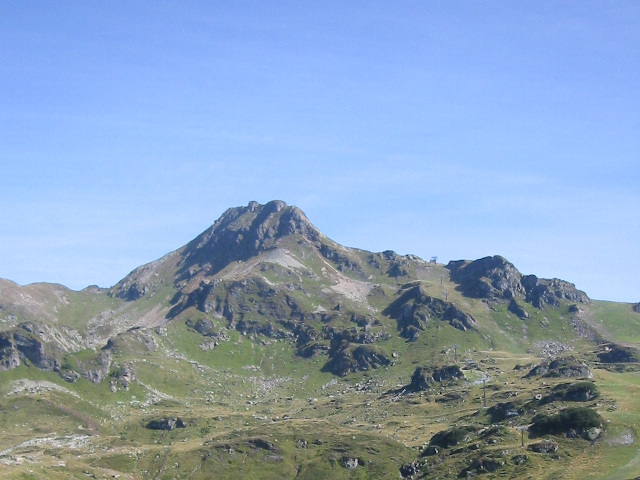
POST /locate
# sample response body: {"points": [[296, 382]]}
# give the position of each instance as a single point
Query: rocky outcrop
{"points": [[166, 424], [350, 463], [262, 444], [500, 411], [572, 392], [541, 292], [97, 368], [351, 359], [125, 375], [424, 377], [408, 470], [483, 465], [514, 307], [543, 447], [20, 344], [140, 282], [9, 357], [343, 261], [312, 350], [566, 367], [133, 340], [414, 309], [244, 232], [613, 353], [495, 279], [207, 328], [489, 277], [250, 306]]}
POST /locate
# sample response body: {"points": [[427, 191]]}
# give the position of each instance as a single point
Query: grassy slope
{"points": [[243, 390]]}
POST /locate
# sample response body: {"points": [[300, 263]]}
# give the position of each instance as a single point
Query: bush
{"points": [[579, 419]]}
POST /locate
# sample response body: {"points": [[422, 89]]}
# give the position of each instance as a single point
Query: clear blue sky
{"points": [[456, 129]]}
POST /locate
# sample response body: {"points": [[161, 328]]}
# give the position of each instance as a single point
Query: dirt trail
{"points": [[91, 426]]}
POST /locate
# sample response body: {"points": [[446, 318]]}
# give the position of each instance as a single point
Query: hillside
{"points": [[264, 349]]}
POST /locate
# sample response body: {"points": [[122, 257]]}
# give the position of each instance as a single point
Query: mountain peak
{"points": [[239, 234], [243, 232]]}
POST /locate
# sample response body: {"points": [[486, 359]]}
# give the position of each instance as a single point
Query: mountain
{"points": [[264, 349]]}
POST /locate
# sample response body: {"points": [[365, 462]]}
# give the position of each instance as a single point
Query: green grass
{"points": [[616, 321]]}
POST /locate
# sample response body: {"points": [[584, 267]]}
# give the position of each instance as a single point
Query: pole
{"points": [[484, 393]]}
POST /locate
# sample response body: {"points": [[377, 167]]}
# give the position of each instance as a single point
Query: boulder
{"points": [[361, 358], [514, 307], [543, 447], [564, 367], [409, 469], [96, 369], [424, 377], [263, 444], [166, 424], [592, 434], [349, 463], [572, 392], [613, 353]]}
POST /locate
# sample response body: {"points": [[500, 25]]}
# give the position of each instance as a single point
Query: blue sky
{"points": [[456, 129]]}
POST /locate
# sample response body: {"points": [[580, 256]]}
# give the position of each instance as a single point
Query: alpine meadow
{"points": [[263, 349]]}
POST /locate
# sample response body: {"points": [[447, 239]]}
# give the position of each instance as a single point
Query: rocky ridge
{"points": [[266, 272]]}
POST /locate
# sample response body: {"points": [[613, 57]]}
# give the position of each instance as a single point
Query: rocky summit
{"points": [[264, 349]]}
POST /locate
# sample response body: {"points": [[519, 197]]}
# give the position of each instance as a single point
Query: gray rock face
{"points": [[431, 450], [125, 375], [97, 369], [312, 350], [263, 444], [494, 278], [19, 344], [543, 447], [424, 378], [572, 392], [413, 309], [278, 313], [566, 367], [613, 353], [358, 359], [518, 310], [541, 292], [166, 424], [484, 465], [349, 463], [9, 358], [409, 469], [33, 349], [593, 433], [241, 233], [489, 277]]}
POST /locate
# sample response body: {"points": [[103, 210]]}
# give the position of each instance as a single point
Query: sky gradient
{"points": [[456, 129]]}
